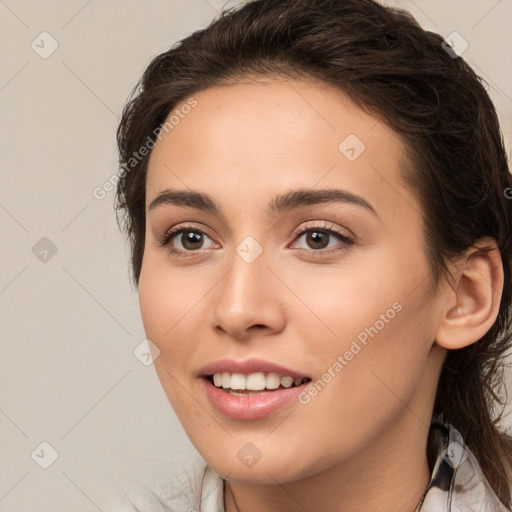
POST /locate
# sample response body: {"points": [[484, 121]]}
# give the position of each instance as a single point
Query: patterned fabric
{"points": [[457, 483]]}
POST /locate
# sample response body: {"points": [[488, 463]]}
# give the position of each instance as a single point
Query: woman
{"points": [[316, 196]]}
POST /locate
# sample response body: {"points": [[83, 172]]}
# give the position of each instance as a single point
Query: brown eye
{"points": [[317, 239], [322, 240], [184, 241], [191, 240]]}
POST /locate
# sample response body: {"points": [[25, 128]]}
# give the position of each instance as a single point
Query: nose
{"points": [[248, 301]]}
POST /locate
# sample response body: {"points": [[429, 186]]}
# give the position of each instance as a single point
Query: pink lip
{"points": [[248, 366], [249, 407]]}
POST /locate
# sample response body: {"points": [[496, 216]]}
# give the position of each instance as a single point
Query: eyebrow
{"points": [[280, 204]]}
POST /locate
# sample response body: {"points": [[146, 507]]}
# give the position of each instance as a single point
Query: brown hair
{"points": [[404, 75]]}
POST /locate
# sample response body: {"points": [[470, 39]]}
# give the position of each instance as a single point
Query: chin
{"points": [[264, 474], [270, 468]]}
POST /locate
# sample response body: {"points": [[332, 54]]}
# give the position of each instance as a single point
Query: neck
{"points": [[391, 473]]}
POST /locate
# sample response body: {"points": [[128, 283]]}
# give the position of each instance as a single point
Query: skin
{"points": [[360, 443]]}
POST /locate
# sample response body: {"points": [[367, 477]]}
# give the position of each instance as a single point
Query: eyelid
{"points": [[165, 239], [326, 227], [323, 226]]}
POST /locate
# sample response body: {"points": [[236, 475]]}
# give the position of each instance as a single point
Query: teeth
{"points": [[238, 381], [287, 382], [273, 381], [217, 379], [254, 381]]}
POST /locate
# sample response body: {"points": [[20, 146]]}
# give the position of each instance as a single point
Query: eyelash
{"points": [[329, 229]]}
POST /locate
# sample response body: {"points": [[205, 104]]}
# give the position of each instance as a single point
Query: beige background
{"points": [[69, 325]]}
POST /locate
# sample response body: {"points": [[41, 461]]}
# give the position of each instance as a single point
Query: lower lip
{"points": [[251, 407]]}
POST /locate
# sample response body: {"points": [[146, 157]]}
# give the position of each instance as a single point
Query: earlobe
{"points": [[472, 302]]}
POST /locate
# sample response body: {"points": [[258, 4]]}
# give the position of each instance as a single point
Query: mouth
{"points": [[239, 384], [252, 396], [251, 389]]}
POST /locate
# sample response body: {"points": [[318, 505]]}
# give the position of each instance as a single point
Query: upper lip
{"points": [[246, 367]]}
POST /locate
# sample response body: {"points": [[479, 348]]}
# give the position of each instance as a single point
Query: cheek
{"points": [[362, 297], [376, 330], [168, 302]]}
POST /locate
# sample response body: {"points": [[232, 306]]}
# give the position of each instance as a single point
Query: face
{"points": [[305, 260]]}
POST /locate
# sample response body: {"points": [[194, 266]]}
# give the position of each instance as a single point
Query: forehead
{"points": [[260, 137]]}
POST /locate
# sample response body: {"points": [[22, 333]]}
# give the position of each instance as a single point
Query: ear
{"points": [[472, 301]]}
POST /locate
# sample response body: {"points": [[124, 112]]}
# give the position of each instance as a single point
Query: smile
{"points": [[251, 389], [253, 383]]}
